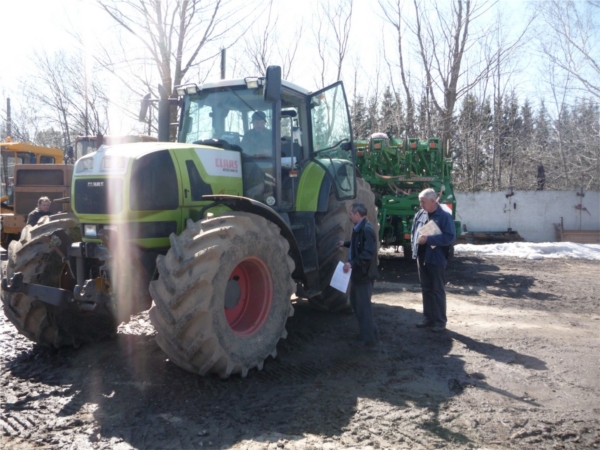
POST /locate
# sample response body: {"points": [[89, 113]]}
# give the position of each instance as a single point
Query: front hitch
{"points": [[53, 296]]}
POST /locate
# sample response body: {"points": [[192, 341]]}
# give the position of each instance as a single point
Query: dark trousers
{"points": [[433, 280], [360, 299]]}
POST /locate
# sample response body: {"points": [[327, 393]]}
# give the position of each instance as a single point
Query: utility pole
{"points": [[8, 118]]}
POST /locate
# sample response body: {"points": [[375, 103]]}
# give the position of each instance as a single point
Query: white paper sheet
{"points": [[430, 229], [340, 280]]}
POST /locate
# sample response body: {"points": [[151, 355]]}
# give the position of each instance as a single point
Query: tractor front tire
{"points": [[223, 295], [43, 323]]}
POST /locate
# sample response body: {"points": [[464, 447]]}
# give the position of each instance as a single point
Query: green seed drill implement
{"points": [[397, 170]]}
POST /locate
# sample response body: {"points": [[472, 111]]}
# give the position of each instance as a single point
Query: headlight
{"points": [[84, 164], [90, 231]]}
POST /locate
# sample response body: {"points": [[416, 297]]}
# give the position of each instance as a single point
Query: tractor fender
{"points": [[245, 204]]}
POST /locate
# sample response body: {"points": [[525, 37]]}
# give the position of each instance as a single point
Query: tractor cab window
{"points": [[235, 118], [26, 158], [332, 138], [47, 159], [84, 147]]}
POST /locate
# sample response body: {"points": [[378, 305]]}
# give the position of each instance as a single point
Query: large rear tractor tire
{"points": [[333, 226], [222, 298], [366, 196], [42, 323]]}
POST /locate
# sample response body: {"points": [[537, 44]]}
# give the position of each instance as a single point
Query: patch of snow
{"points": [[530, 250]]}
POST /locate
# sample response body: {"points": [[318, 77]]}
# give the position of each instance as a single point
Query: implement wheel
{"points": [[40, 264], [222, 298]]}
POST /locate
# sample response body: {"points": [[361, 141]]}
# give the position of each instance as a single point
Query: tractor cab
{"points": [[273, 136]]}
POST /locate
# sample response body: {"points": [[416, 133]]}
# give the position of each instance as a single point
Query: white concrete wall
{"points": [[531, 213]]}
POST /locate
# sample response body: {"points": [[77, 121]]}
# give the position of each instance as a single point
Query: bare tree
{"points": [[171, 38], [393, 14], [174, 33], [25, 120], [332, 36], [66, 96], [449, 45], [265, 45], [570, 40]]}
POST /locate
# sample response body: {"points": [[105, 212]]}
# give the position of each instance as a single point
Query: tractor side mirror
{"points": [[272, 91], [144, 108]]}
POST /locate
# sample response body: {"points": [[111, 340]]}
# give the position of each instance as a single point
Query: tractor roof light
{"points": [[251, 82], [186, 89]]}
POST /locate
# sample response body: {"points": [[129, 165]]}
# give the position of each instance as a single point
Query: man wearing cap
{"points": [[257, 141]]}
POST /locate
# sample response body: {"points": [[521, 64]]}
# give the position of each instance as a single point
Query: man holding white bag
{"points": [[432, 235]]}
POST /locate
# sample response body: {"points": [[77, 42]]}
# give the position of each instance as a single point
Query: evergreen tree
{"points": [[391, 115], [358, 112]]}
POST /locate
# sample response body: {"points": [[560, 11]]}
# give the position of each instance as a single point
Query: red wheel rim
{"points": [[254, 296]]}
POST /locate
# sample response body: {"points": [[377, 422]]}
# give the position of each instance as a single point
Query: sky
{"points": [[44, 25]]}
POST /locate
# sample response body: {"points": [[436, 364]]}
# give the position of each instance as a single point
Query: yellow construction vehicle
{"points": [[15, 154], [23, 182]]}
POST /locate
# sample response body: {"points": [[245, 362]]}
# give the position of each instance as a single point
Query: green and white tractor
{"points": [[215, 237]]}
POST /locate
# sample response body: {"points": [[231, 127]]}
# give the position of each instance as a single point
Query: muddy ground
{"points": [[519, 367]]}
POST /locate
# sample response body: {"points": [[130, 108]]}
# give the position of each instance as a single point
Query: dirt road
{"points": [[519, 367]]}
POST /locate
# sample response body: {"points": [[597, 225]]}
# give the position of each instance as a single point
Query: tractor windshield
{"points": [[237, 116]]}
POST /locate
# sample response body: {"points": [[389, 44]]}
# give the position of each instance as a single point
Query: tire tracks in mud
{"points": [[414, 390]]}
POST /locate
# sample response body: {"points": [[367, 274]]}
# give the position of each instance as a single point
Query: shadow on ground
{"points": [[467, 275], [126, 390]]}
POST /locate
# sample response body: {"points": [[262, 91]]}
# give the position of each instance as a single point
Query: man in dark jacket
{"points": [[362, 259], [43, 209], [431, 253]]}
